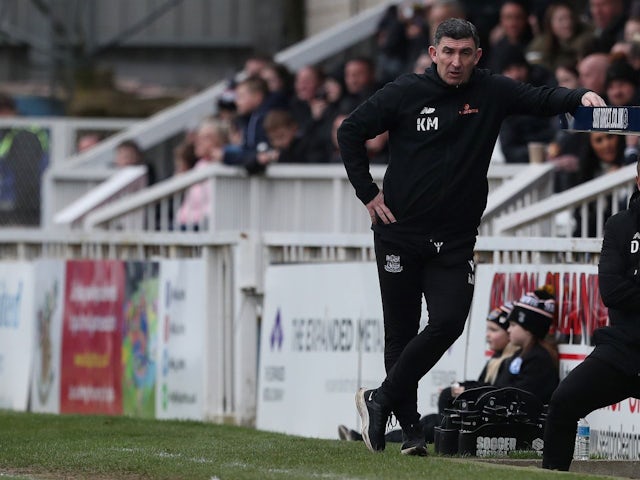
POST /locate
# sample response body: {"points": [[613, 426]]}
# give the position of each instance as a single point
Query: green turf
{"points": [[35, 446]]}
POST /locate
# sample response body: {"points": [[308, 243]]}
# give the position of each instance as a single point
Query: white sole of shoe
{"points": [[364, 416]]}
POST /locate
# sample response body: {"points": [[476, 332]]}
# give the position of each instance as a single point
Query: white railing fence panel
{"points": [[588, 202]]}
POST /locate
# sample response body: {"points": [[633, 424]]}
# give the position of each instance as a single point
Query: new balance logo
{"points": [[371, 396], [636, 236], [427, 110], [427, 123]]}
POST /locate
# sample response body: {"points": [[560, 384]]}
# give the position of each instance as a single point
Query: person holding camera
{"points": [[614, 364]]}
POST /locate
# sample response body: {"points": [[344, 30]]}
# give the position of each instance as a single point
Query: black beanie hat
{"points": [[534, 312], [499, 315], [621, 70]]}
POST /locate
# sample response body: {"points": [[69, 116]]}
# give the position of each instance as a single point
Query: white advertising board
{"points": [[49, 304], [322, 338], [181, 310], [17, 319]]}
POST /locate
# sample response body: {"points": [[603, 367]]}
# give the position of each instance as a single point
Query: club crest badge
{"points": [[393, 264]]}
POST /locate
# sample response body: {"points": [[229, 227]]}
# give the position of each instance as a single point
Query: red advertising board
{"points": [[91, 377]]}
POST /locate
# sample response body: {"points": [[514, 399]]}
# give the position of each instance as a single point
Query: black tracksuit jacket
{"points": [[440, 145], [619, 279]]}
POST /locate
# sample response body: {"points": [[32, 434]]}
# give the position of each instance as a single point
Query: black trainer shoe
{"points": [[374, 419], [413, 441], [346, 433]]}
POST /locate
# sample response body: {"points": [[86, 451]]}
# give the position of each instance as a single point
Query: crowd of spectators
{"points": [[270, 114], [291, 117]]}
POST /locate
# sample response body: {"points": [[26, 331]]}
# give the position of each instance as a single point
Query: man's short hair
{"points": [[458, 29], [277, 119], [256, 85]]}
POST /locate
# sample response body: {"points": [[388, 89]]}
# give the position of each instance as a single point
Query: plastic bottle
{"points": [[583, 435]]}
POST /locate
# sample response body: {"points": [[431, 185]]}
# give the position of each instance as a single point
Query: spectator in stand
{"points": [[608, 18], [87, 140], [255, 63], [605, 153], [631, 35], [210, 140], [252, 105], [285, 143], [621, 84], [512, 30], [593, 72], [377, 150], [563, 38], [279, 82], [416, 29], [423, 62], [184, 157], [566, 147], [518, 131], [313, 110], [622, 90], [439, 11], [129, 153], [391, 44], [360, 83]]}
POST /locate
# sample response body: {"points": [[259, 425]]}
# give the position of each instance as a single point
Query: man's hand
{"points": [[592, 99], [378, 207]]}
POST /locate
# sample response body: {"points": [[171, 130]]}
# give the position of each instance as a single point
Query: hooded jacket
{"points": [[619, 279], [441, 139]]}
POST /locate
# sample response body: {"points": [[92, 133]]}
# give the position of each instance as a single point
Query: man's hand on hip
{"points": [[378, 210]]}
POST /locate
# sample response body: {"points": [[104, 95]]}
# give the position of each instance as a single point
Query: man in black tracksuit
{"points": [[611, 372], [442, 127]]}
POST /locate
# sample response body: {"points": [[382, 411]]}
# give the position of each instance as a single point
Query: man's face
{"points": [[357, 76], [246, 100], [603, 12], [620, 92], [455, 59], [282, 137]]}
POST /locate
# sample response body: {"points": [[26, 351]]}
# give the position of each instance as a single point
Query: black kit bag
{"points": [[491, 422]]}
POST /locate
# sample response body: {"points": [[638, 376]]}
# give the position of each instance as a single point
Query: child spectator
{"points": [[210, 139]]}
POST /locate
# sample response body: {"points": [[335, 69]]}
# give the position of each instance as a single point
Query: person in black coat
{"points": [[611, 373], [442, 127]]}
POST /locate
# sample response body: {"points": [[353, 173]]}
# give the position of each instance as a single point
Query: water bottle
{"points": [[582, 440]]}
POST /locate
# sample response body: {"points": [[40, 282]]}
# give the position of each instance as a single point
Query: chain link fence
{"points": [[24, 156]]}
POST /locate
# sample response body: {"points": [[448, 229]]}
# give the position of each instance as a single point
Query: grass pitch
{"points": [[53, 447]]}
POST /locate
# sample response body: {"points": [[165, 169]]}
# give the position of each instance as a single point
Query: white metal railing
{"points": [[60, 189], [530, 184], [122, 182], [287, 198], [597, 198]]}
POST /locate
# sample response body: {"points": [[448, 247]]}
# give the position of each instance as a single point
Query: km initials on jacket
{"points": [[427, 123]]}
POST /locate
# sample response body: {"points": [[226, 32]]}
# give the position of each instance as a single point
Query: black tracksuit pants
{"points": [[591, 385], [409, 268]]}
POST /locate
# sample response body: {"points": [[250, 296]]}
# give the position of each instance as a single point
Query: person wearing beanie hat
{"points": [[621, 84], [534, 313], [533, 368]]}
